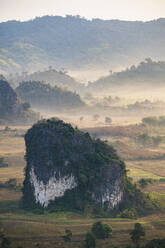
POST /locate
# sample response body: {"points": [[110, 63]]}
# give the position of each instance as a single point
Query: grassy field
{"points": [[28, 229], [154, 169], [12, 149]]}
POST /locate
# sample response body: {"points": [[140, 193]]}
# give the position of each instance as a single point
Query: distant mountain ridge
{"points": [[75, 42]]}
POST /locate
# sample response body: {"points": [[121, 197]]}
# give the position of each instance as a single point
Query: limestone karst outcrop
{"points": [[67, 168], [12, 110]]}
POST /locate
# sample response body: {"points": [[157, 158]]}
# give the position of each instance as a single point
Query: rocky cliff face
{"points": [[11, 108], [67, 168]]}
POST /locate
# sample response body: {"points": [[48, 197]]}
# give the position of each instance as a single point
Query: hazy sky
{"points": [[105, 9]]}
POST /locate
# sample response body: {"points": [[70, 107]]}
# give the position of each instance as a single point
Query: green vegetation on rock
{"points": [[55, 151], [56, 148]]}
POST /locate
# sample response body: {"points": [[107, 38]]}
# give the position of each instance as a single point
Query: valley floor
{"points": [[28, 229]]}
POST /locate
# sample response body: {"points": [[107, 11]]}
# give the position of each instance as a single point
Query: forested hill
{"points": [[43, 96], [12, 109], [51, 76], [147, 73], [75, 42]]}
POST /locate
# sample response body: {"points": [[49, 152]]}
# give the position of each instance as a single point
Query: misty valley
{"points": [[82, 133]]}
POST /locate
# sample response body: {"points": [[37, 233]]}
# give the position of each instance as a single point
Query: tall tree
{"points": [[137, 233]]}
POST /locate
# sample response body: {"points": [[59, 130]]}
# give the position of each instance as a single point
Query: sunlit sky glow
{"points": [[105, 9]]}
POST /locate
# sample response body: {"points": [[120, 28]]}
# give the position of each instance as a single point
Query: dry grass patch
{"points": [[154, 169], [158, 187], [15, 169], [9, 143], [9, 195], [12, 149]]}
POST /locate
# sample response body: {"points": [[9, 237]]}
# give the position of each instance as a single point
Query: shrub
{"points": [[90, 241], [101, 231], [96, 117], [107, 230], [137, 233], [145, 139], [37, 245], [157, 140], [5, 241], [152, 120], [143, 182], [129, 213], [2, 163], [11, 183], [108, 120], [6, 129], [26, 106], [67, 237]]}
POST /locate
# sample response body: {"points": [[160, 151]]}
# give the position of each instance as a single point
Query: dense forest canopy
{"points": [[44, 96], [75, 42]]}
